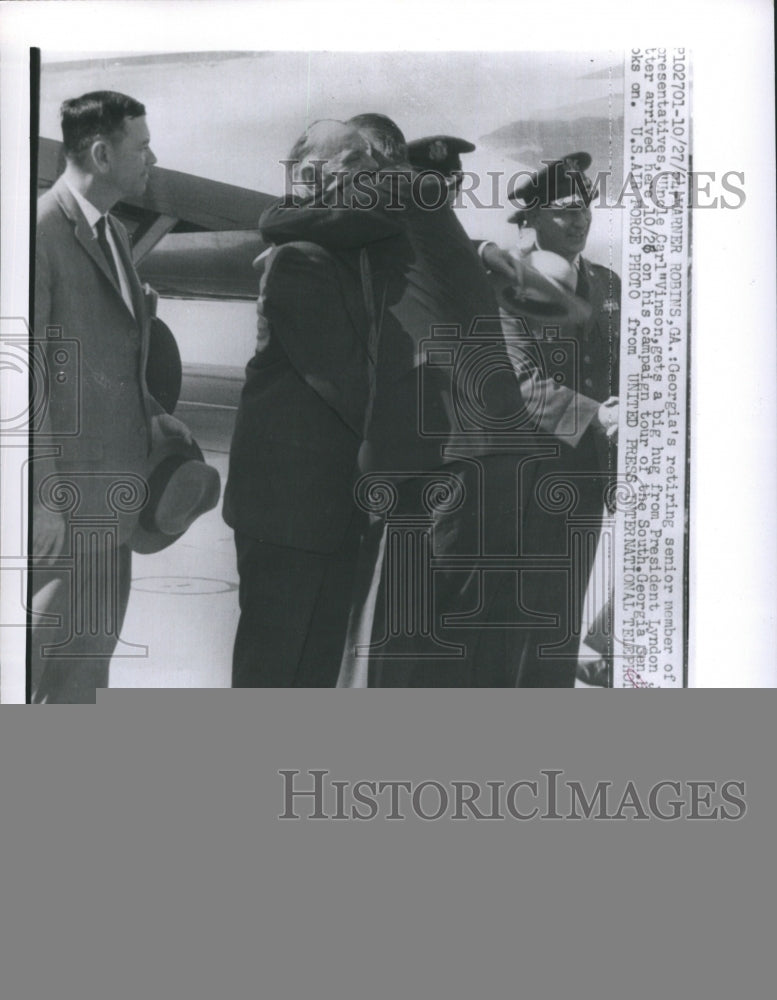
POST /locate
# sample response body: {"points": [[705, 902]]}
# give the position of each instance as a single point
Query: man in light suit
{"points": [[95, 422]]}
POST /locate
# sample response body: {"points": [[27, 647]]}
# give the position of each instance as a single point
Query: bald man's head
{"points": [[327, 151]]}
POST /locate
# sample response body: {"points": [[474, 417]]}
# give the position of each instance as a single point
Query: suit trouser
{"points": [[85, 605], [562, 528], [294, 608], [457, 622]]}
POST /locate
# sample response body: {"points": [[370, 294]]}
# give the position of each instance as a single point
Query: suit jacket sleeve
{"points": [[341, 226], [43, 448], [315, 311], [557, 410]]}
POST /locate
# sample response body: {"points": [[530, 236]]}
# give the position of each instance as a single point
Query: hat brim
{"points": [[452, 141], [182, 488], [579, 163], [533, 305], [543, 300], [164, 372]]}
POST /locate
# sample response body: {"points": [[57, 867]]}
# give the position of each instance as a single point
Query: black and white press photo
{"points": [[376, 377]]}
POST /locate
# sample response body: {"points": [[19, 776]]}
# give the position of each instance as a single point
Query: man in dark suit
{"points": [[447, 453], [450, 431], [95, 423], [299, 428]]}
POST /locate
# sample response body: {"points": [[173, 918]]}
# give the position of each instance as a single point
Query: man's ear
{"points": [[100, 154]]}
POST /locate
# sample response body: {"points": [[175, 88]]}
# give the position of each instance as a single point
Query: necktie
{"points": [[105, 246], [583, 290]]}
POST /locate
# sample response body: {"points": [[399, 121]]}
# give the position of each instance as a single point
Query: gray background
{"points": [[142, 857]]}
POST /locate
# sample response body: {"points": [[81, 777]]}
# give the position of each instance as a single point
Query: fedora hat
{"points": [[163, 365], [546, 292], [181, 487], [534, 304]]}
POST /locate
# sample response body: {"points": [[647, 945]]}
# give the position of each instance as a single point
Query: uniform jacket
{"points": [[95, 431], [300, 419]]}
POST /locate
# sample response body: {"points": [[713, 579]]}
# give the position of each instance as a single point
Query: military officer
{"points": [[577, 414], [555, 203]]}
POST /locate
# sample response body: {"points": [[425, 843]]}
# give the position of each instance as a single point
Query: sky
{"points": [[232, 116]]}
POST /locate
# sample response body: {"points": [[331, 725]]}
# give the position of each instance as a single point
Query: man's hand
{"points": [[164, 426], [607, 418], [526, 279], [520, 274], [496, 259], [48, 534]]}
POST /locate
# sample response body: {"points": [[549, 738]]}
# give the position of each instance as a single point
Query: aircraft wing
{"points": [[191, 237], [204, 265]]}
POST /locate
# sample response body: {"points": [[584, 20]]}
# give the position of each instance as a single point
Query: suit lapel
{"points": [[582, 289], [136, 291], [353, 306], [138, 304], [593, 296], [86, 238]]}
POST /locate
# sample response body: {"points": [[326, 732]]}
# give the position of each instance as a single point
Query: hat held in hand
{"points": [[181, 488], [164, 373], [547, 291]]}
